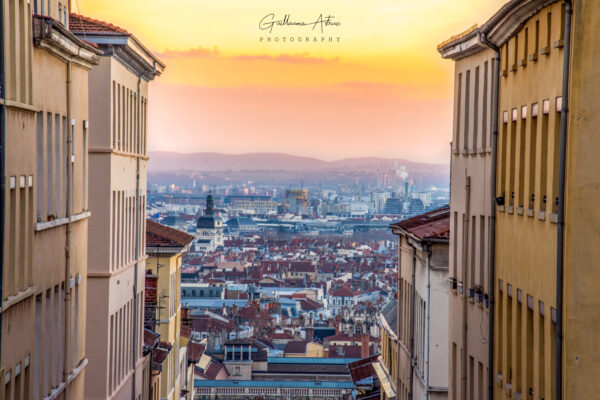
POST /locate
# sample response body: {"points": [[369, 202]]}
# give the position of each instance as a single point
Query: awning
{"points": [[384, 379]]}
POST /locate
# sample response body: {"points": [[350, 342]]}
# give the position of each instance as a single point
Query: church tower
{"points": [[209, 228]]}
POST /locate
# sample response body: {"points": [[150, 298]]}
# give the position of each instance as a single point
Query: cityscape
{"points": [[288, 264]]}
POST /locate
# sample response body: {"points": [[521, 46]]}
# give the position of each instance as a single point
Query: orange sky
{"points": [[380, 90]]}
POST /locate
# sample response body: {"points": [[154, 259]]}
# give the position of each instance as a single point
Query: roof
{"points": [[81, 24], [390, 314], [362, 369], [195, 351], [344, 291], [150, 338], [431, 225], [274, 384], [296, 347], [498, 29], [158, 235], [458, 37], [310, 360]]}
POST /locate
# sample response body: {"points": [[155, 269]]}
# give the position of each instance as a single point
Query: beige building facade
{"points": [[470, 214], [422, 316], [45, 202], [117, 167], [544, 297], [165, 247]]}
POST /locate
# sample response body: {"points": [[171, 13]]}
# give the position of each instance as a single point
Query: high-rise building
{"points": [[117, 170], [544, 297], [44, 134], [470, 209]]}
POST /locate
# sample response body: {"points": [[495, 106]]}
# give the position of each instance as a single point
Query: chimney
{"points": [[364, 346], [337, 324]]}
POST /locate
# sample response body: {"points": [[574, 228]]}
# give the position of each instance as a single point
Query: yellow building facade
{"points": [[45, 128], [165, 248], [545, 302]]}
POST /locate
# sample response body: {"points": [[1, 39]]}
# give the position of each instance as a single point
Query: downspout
{"points": [[137, 232], [465, 325], [412, 321], [560, 246], [2, 163], [67, 320], [492, 243], [427, 318]]}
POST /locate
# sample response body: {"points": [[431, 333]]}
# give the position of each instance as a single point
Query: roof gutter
{"points": [[564, 115], [492, 243]]}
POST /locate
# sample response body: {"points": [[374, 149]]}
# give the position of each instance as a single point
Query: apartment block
{"points": [[544, 298], [422, 316], [45, 132], [117, 168], [165, 248], [470, 213]]}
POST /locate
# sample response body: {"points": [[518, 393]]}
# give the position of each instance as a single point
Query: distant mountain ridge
{"points": [[172, 161]]}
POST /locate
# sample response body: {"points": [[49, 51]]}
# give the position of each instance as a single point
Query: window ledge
{"points": [[541, 215], [501, 208], [545, 50], [529, 212], [553, 218], [17, 298], [533, 57], [520, 210], [558, 44], [56, 392], [40, 226], [509, 209]]}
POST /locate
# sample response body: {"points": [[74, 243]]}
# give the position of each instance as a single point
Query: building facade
{"points": [[117, 167], [544, 302], [423, 325], [165, 248], [44, 123], [470, 213]]}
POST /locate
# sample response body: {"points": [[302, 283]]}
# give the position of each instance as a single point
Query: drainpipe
{"points": [[138, 221], [492, 243], [412, 321], [427, 318], [67, 338], [465, 325], [560, 246], [2, 163]]}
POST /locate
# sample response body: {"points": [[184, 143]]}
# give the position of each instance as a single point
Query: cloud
{"points": [[300, 58], [203, 52], [198, 52]]}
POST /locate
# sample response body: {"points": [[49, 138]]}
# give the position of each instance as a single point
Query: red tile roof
{"points": [[163, 236], [81, 24], [344, 291], [432, 225], [295, 347], [362, 369], [195, 351]]}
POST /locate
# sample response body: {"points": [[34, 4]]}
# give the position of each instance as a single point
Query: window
{"points": [[467, 107], [84, 166]]}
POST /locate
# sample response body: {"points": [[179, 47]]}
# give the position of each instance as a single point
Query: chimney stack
{"points": [[364, 346]]}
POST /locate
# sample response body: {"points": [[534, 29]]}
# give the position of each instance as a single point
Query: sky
{"points": [[368, 82]]}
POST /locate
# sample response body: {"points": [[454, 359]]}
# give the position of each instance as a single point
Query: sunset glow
{"points": [[381, 90]]}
